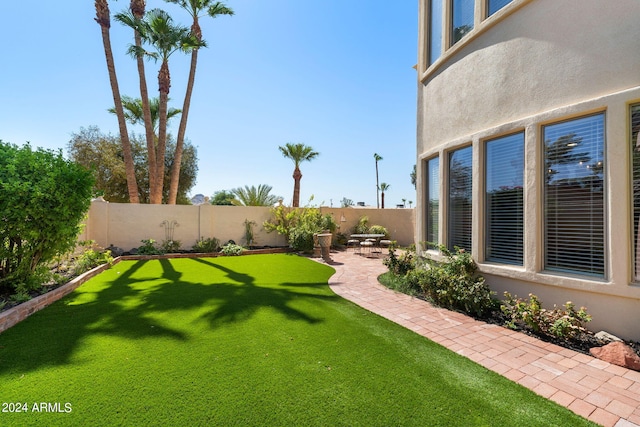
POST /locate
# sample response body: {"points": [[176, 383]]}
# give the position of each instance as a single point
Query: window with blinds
{"points": [[461, 19], [496, 5], [634, 113], [435, 30], [574, 196], [433, 201], [459, 206], [504, 203]]}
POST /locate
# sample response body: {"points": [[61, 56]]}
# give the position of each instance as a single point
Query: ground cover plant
{"points": [[454, 283], [252, 340]]}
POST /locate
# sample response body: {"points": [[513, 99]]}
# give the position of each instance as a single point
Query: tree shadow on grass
{"points": [[131, 307], [240, 302]]}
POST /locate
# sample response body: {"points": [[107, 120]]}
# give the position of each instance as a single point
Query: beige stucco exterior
{"points": [[125, 225], [533, 63]]}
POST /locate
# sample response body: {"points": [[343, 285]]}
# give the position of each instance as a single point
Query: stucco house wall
{"points": [[534, 63]]}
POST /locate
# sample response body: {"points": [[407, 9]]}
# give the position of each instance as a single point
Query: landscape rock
{"points": [[605, 337], [115, 251], [617, 353]]}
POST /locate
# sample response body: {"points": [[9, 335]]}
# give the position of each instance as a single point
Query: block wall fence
{"points": [[125, 225]]}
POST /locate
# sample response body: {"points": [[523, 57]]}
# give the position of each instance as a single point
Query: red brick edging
{"points": [[20, 312]]}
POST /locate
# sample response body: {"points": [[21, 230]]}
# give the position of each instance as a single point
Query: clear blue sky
{"points": [[334, 74]]}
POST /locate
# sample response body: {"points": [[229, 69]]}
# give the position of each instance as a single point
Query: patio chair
{"points": [[353, 243]]}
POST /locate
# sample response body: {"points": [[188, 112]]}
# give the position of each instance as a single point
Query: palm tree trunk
{"points": [[103, 18], [377, 187], [382, 199], [164, 83], [138, 9], [297, 176], [177, 157]]}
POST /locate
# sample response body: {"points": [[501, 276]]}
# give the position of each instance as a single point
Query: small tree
{"points": [[252, 196], [44, 198], [223, 198]]}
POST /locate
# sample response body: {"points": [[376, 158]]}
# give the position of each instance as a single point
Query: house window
{"points": [[433, 201], [435, 30], [461, 18], [504, 220], [459, 206], [634, 112], [496, 5], [574, 196]]}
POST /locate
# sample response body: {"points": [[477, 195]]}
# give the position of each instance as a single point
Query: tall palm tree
{"points": [[252, 196], [103, 18], [134, 112], [137, 8], [298, 153], [377, 157], [195, 8], [383, 187], [158, 30]]}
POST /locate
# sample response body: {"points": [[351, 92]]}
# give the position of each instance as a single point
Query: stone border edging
{"points": [[20, 312]]}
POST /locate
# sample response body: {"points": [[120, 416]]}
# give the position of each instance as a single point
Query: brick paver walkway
{"points": [[604, 393]]}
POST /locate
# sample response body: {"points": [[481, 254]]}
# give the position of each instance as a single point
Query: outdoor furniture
{"points": [[369, 242], [384, 243], [354, 243], [366, 246]]}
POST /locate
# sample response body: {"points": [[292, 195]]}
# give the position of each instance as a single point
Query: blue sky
{"points": [[334, 74]]}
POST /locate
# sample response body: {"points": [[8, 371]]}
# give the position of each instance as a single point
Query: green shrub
{"points": [[378, 229], [170, 246], [231, 249], [454, 284], [91, 258], [20, 296], [566, 322], [44, 198], [362, 227], [400, 265], [299, 225], [208, 245], [149, 247], [249, 234], [398, 283]]}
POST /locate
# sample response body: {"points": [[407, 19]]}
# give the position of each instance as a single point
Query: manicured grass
{"points": [[254, 340]]}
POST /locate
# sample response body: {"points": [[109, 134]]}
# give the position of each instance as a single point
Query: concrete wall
{"points": [[125, 225], [533, 63]]}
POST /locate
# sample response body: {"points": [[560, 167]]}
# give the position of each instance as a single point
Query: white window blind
{"points": [[504, 215], [433, 201], [574, 196], [634, 112], [460, 181]]}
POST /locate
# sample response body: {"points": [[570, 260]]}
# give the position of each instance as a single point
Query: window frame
{"points": [[452, 231], [489, 241], [451, 24], [559, 269], [429, 216]]}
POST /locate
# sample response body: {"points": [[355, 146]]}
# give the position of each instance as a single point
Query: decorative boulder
{"points": [[617, 353]]}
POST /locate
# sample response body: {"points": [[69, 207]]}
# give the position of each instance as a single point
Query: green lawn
{"points": [[252, 340]]}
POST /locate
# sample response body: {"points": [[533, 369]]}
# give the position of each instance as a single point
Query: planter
{"points": [[324, 240]]}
